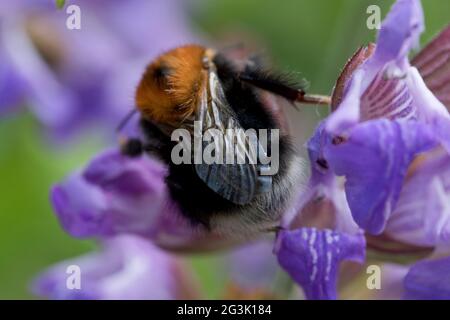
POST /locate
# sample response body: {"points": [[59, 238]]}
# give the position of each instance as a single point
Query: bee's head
{"points": [[169, 89]]}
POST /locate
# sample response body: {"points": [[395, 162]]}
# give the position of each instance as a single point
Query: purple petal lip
{"points": [[312, 258], [428, 280], [80, 207]]}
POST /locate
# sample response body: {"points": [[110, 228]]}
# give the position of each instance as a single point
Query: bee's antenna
{"points": [[125, 120]]}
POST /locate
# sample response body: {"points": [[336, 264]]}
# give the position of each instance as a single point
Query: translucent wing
{"points": [[433, 63], [232, 172]]}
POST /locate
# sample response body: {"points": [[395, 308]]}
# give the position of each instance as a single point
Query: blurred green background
{"points": [[313, 37]]}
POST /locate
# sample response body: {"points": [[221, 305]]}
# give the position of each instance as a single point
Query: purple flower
{"points": [[70, 78], [312, 258], [383, 137], [384, 116], [127, 267], [321, 233], [116, 194]]}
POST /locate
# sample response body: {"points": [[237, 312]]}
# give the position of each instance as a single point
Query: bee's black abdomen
{"points": [[197, 201]]}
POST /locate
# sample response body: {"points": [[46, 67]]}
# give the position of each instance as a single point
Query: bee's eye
{"points": [[161, 73]]}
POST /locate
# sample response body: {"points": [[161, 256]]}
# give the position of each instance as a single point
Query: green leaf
{"points": [[60, 3]]}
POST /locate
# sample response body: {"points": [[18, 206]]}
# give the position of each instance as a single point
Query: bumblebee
{"points": [[193, 84]]}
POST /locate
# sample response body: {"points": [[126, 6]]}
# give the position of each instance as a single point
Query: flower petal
{"points": [[127, 267], [400, 32], [315, 144], [114, 194], [323, 203], [433, 63], [80, 207], [387, 97], [11, 86], [422, 215], [348, 112], [358, 58], [374, 159], [115, 172], [52, 105], [430, 109], [312, 258], [428, 279]]}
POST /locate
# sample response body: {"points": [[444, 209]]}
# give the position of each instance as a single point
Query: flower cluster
{"points": [[388, 139], [380, 180], [71, 78]]}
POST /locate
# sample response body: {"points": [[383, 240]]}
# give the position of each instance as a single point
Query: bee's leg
{"points": [[281, 85]]}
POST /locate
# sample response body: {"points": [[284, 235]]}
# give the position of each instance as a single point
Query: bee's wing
{"points": [[234, 182], [433, 63]]}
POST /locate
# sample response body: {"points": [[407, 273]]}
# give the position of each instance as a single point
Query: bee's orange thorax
{"points": [[169, 89]]}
